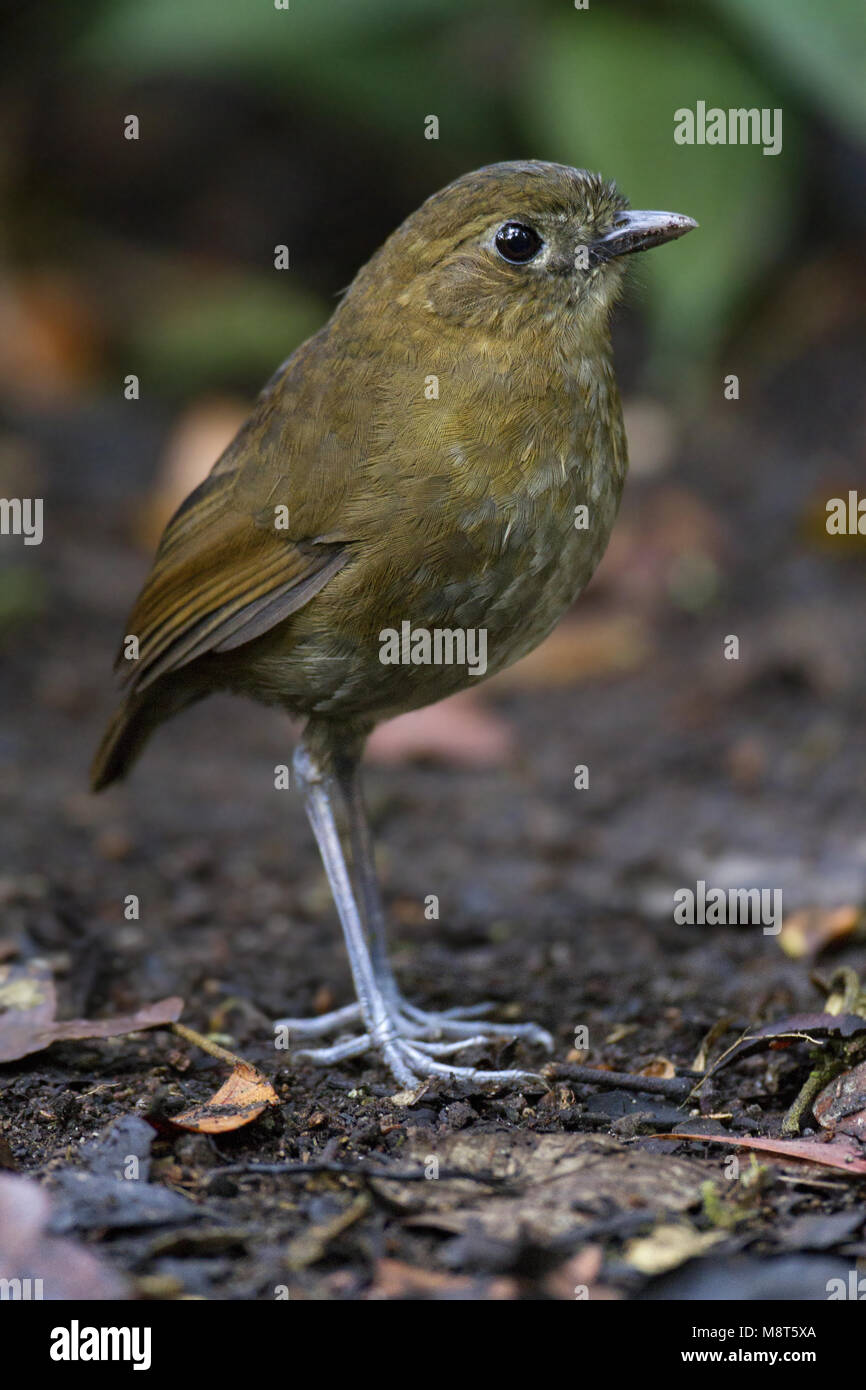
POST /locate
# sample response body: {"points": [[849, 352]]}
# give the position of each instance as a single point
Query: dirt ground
{"points": [[554, 903]]}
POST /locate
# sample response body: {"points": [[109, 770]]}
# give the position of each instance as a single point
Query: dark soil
{"points": [[554, 901]]}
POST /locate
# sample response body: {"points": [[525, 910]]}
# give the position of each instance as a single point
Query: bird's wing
{"points": [[224, 572]]}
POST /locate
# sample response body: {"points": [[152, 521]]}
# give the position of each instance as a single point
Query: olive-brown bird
{"points": [[417, 468]]}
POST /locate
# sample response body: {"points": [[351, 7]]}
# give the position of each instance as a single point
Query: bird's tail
{"points": [[131, 726]]}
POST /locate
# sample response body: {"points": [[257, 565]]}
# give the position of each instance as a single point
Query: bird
{"points": [[443, 461]]}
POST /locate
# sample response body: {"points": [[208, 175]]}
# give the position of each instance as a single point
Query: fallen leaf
{"points": [[838, 1153], [659, 1066], [111, 1190], [810, 1028], [99, 1202], [540, 1185], [28, 1002], [240, 1100], [841, 1106], [668, 1246], [55, 1268], [813, 929]]}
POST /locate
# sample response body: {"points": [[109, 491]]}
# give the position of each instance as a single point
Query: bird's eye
{"points": [[517, 243]]}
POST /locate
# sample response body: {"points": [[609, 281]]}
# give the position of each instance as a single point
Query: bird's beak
{"points": [[638, 231]]}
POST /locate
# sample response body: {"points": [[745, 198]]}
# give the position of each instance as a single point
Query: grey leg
{"points": [[364, 864], [370, 1001], [402, 1038], [452, 1023]]}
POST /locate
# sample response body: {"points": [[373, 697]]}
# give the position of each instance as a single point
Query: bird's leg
{"points": [[407, 1039], [452, 1023], [364, 865], [367, 880]]}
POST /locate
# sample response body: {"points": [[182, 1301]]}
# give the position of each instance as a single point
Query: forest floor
{"points": [[555, 903]]}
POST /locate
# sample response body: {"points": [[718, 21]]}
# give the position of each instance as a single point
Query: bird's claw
{"points": [[415, 1039]]}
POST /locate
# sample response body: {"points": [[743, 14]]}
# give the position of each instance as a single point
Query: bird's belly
{"points": [[538, 579], [386, 640]]}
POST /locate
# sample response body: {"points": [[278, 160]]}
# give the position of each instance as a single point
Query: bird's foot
{"points": [[413, 1039]]}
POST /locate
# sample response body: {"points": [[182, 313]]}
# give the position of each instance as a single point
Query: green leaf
{"points": [[226, 330], [821, 46], [380, 60], [604, 96]]}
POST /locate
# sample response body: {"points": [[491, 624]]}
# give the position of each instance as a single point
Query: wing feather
{"points": [[221, 578]]}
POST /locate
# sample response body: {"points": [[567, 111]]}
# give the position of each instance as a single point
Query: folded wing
{"points": [[221, 577]]}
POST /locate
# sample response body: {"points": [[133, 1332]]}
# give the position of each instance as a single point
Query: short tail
{"points": [[131, 726]]}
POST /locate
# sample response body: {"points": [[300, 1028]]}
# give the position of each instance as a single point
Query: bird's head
{"points": [[515, 246]]}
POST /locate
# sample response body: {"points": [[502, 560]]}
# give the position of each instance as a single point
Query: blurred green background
{"points": [[305, 126]]}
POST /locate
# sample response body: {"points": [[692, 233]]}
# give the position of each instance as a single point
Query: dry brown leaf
{"points": [[813, 929], [240, 1100], [28, 1002], [845, 1154], [659, 1066]]}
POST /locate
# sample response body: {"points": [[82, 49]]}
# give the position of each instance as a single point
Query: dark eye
{"points": [[517, 243]]}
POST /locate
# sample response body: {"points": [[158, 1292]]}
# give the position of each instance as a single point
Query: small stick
{"points": [[675, 1087], [190, 1035]]}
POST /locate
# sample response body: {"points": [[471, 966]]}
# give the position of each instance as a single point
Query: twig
{"points": [[190, 1035], [675, 1087]]}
